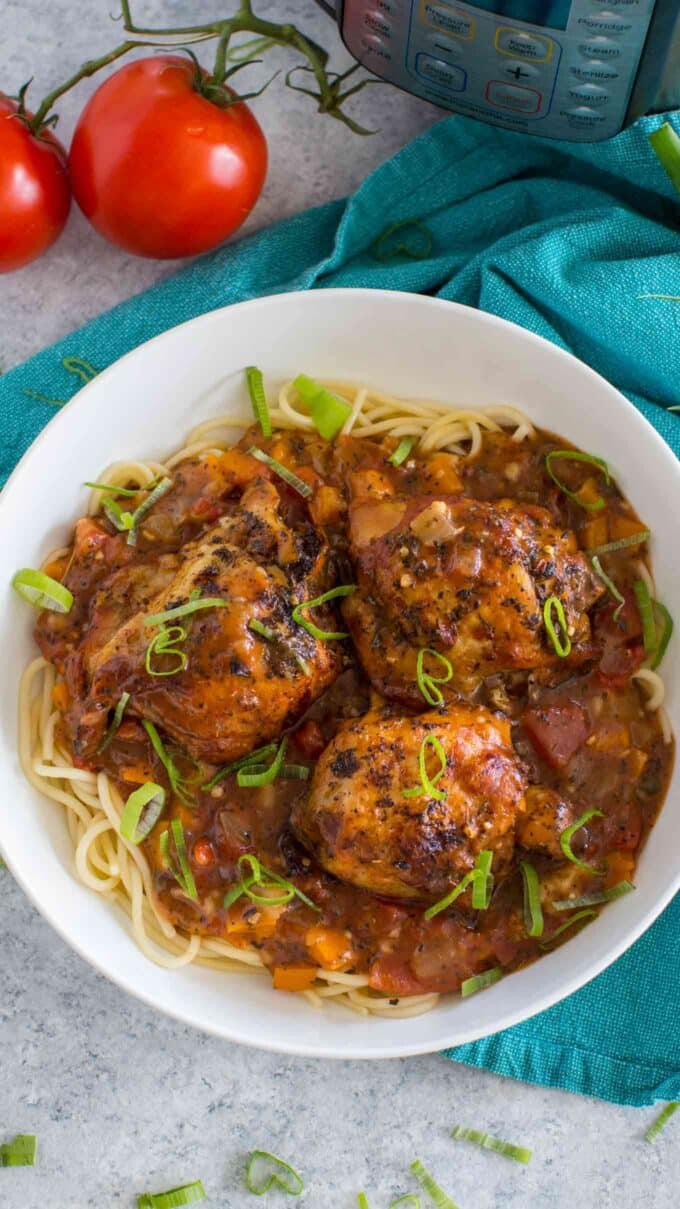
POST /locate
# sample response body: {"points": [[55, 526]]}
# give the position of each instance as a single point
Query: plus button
{"points": [[517, 72]]}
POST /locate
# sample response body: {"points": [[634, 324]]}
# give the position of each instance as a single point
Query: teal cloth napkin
{"points": [[565, 240]]}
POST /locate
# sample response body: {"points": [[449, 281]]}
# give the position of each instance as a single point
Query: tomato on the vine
{"points": [[35, 195], [158, 166]]}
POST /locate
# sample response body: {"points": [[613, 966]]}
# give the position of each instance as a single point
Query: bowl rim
{"points": [[267, 1040]]}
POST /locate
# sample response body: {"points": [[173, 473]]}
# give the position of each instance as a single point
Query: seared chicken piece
{"points": [[547, 815], [466, 578], [238, 689], [362, 828]]}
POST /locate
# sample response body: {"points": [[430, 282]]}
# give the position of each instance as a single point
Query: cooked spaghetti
{"points": [[463, 641]]}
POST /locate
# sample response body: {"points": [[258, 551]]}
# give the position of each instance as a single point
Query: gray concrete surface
{"points": [[123, 1100]]}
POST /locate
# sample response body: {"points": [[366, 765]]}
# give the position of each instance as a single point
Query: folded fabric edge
{"points": [[553, 1064]]}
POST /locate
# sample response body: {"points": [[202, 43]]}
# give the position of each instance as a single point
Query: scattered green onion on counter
{"points": [[609, 585], [567, 835], [573, 455], [258, 399], [428, 785], [42, 591], [480, 982], [665, 143], [402, 451], [265, 1171], [282, 471], [598, 896], [142, 811], [328, 411], [322, 635], [362, 1200], [174, 1198], [560, 640], [662, 1120], [115, 723], [20, 1152], [533, 913], [182, 870], [427, 681], [409, 1201], [519, 1153], [436, 1194]]}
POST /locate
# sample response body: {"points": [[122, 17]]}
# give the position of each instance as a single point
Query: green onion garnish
{"points": [[436, 1194], [487, 1142], [129, 492], [609, 584], [177, 781], [665, 634], [258, 774], [418, 249], [260, 753], [533, 913], [185, 610], [598, 896], [328, 411], [142, 811], [20, 1152], [427, 683], [258, 399], [566, 837], [450, 897], [410, 1201], [429, 785], [634, 539], [587, 913], [183, 874], [115, 723], [572, 455], [662, 1119], [480, 982], [42, 591], [402, 451], [174, 1198], [482, 881], [283, 472], [122, 521], [267, 881], [322, 635], [362, 1201], [294, 772], [140, 512], [644, 604], [265, 1171], [562, 648], [165, 643], [258, 627], [665, 143]]}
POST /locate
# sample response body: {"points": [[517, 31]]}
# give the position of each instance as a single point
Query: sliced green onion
{"points": [[20, 1152], [283, 472], [328, 411], [362, 1201], [609, 584], [247, 777], [185, 610], [258, 627], [177, 781], [115, 723], [665, 143], [598, 896], [80, 367], [402, 451], [129, 492], [644, 604], [662, 1119], [266, 880], [137, 822], [665, 634], [322, 635], [436, 1194], [487, 1142], [533, 914], [587, 913], [410, 1201], [480, 982], [482, 881], [429, 785], [122, 521], [174, 1198], [140, 512], [294, 772], [276, 1174], [258, 399], [561, 648], [164, 643], [182, 875], [423, 244], [427, 683], [634, 539], [566, 837], [572, 455], [260, 753], [42, 591], [450, 897]]}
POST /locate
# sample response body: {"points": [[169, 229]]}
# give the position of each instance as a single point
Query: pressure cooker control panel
{"points": [[560, 68]]}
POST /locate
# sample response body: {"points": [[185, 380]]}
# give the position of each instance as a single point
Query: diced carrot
{"points": [[625, 526], [637, 761], [595, 532], [326, 505], [293, 978], [56, 568], [137, 774], [329, 947], [590, 491], [257, 924], [612, 736], [60, 697], [443, 467], [620, 868]]}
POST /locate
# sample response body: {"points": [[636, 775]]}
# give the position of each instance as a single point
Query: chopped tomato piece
{"points": [[393, 975], [557, 731], [310, 740], [206, 508], [618, 664]]}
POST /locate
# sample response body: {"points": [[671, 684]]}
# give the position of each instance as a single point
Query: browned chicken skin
{"points": [[361, 828], [238, 689], [464, 577]]}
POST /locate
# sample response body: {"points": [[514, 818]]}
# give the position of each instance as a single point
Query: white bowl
{"points": [[143, 406]]}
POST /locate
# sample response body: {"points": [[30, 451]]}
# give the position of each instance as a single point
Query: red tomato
{"points": [[160, 170], [35, 196], [557, 731]]}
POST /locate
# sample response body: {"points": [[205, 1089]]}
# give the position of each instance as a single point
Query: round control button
{"points": [[607, 23], [391, 8], [373, 45], [600, 48], [584, 115], [591, 94], [520, 45], [594, 70], [378, 23]]}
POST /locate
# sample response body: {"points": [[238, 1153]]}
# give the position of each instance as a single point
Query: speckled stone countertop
{"points": [[122, 1099]]}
